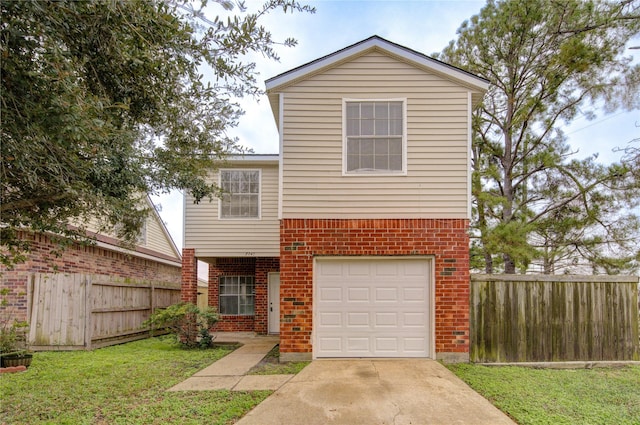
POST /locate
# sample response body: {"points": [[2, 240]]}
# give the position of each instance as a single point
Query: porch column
{"points": [[189, 288]]}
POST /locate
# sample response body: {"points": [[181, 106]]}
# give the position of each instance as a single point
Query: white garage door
{"points": [[372, 307]]}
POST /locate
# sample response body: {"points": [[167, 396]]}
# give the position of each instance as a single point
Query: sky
{"points": [[423, 25]]}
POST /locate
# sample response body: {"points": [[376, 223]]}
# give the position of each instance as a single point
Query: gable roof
{"points": [[170, 253], [476, 84], [165, 231]]}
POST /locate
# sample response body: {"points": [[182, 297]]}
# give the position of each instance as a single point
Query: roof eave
{"points": [[286, 78]]}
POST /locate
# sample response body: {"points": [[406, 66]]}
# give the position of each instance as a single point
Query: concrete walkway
{"points": [[229, 372], [380, 392], [344, 391]]}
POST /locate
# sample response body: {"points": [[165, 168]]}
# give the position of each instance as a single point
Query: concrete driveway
{"points": [[375, 392]]}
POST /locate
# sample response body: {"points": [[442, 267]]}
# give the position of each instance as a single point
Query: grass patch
{"points": [[549, 396], [123, 384], [270, 365]]}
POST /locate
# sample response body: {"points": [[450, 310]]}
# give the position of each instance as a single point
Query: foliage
{"points": [[104, 102], [13, 333], [546, 396], [123, 384], [534, 204], [185, 320]]}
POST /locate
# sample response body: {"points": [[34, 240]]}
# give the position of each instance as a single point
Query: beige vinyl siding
{"points": [[436, 184], [156, 239], [212, 237]]}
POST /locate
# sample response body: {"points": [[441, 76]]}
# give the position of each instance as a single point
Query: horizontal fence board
{"points": [[116, 309], [73, 311], [553, 318]]}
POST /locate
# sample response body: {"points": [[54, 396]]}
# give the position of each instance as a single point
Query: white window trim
{"points": [[238, 295], [259, 217], [404, 138]]}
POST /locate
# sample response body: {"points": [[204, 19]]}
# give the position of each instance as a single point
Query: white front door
{"points": [[373, 307], [274, 303]]}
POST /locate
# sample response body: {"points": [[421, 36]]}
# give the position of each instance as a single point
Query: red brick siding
{"points": [[189, 288], [47, 257], [446, 239], [257, 267]]}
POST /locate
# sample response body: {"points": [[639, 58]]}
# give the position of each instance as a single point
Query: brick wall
{"points": [[447, 240], [47, 256], [259, 268], [189, 285]]}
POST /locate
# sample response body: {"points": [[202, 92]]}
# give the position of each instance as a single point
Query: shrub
{"points": [[13, 332], [189, 323]]}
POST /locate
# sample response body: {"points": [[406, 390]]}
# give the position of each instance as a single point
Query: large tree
{"points": [[547, 62], [106, 101]]}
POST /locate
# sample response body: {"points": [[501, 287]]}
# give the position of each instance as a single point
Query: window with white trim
{"points": [[236, 295], [241, 193], [374, 136]]}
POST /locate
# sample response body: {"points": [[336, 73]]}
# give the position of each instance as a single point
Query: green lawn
{"points": [[124, 384], [546, 396], [271, 365]]}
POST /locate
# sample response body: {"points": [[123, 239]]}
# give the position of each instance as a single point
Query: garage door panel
{"points": [[417, 269], [414, 294], [386, 319], [386, 294], [382, 309], [330, 294], [357, 269], [415, 345], [358, 294], [358, 319], [331, 345], [330, 319], [414, 319], [386, 268], [387, 345], [358, 345], [331, 269]]}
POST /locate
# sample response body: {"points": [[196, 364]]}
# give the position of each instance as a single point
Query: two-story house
{"points": [[352, 241]]}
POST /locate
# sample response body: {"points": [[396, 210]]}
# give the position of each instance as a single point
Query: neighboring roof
{"points": [[467, 79], [253, 157], [164, 229], [112, 243]]}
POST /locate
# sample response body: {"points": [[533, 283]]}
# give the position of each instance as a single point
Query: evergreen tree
{"points": [[548, 61]]}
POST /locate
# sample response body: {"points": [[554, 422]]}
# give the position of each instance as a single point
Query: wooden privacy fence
{"points": [[525, 318], [84, 311]]}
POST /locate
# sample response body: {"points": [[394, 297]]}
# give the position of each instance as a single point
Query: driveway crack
{"points": [[376, 369], [395, 417]]}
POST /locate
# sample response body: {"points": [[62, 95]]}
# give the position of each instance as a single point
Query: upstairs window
{"points": [[374, 137], [236, 295], [241, 194]]}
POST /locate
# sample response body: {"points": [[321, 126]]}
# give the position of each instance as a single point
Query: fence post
{"points": [[88, 311], [153, 304]]}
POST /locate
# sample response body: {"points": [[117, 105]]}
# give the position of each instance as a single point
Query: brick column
{"points": [[189, 289]]}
